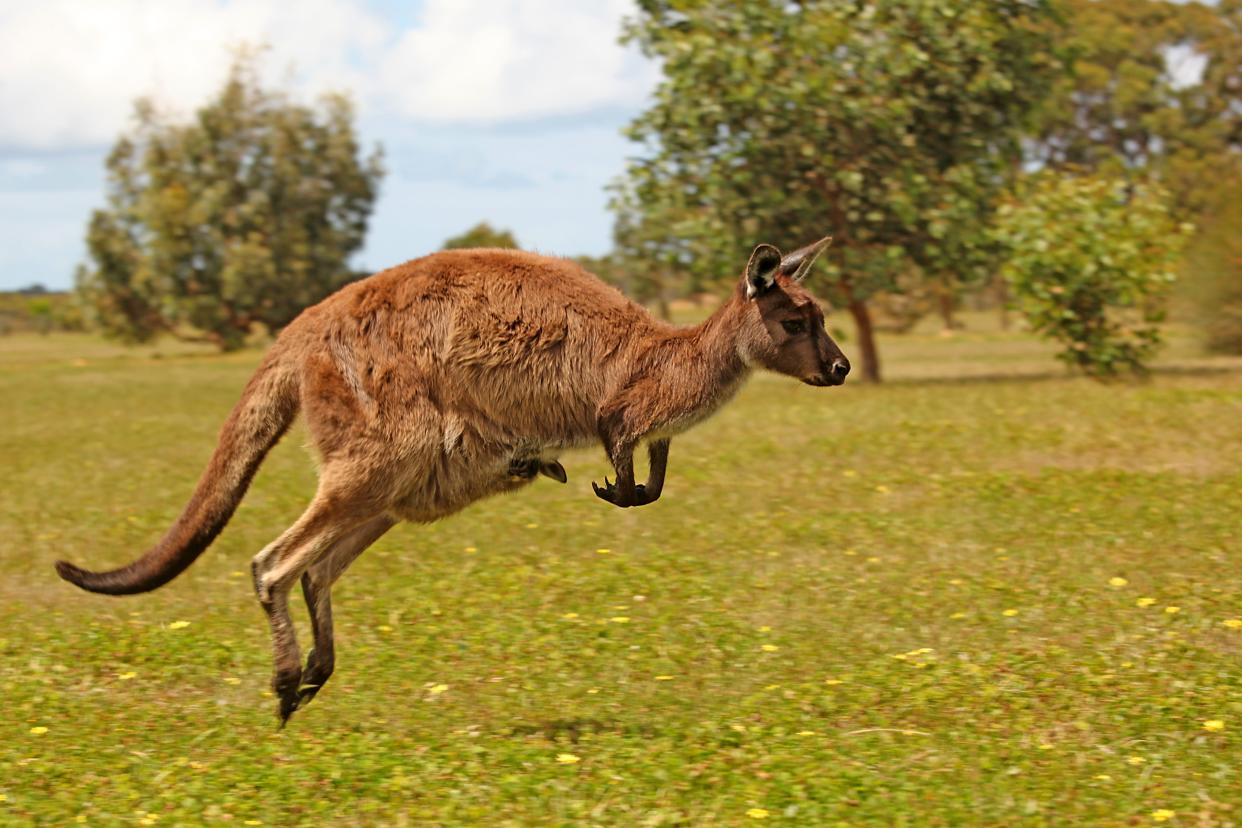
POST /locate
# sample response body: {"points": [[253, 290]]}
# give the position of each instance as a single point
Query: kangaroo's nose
{"points": [[840, 367]]}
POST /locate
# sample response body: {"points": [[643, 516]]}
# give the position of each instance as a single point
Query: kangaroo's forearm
{"points": [[622, 458], [657, 458]]}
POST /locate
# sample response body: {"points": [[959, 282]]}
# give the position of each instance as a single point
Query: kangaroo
{"points": [[458, 376]]}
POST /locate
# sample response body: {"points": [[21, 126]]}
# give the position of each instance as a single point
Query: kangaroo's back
{"points": [[495, 336]]}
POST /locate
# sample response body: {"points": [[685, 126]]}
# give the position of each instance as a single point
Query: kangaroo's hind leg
{"points": [[317, 584], [329, 518]]}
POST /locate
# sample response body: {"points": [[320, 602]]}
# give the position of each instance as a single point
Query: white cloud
{"points": [[483, 61], [70, 69]]}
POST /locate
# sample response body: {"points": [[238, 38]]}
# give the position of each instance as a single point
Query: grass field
{"points": [[982, 594]]}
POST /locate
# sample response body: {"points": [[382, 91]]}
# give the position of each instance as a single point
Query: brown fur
{"points": [[458, 376]]}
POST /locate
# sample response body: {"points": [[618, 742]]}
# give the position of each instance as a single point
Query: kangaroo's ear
{"points": [[761, 269], [798, 263]]}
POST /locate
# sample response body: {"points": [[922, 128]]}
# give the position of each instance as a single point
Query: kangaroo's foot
{"points": [[612, 494], [314, 677], [528, 468], [286, 684], [523, 469]]}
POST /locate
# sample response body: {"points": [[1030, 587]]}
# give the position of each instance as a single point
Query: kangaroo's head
{"points": [[786, 324]]}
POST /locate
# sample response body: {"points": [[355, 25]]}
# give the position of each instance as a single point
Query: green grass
{"points": [[889, 605]]}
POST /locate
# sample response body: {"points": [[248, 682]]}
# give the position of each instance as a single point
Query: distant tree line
{"points": [[1050, 154]]}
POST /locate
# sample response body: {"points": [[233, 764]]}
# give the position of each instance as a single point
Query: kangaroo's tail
{"points": [[267, 407]]}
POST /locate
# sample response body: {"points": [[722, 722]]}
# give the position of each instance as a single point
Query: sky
{"points": [[506, 111]]}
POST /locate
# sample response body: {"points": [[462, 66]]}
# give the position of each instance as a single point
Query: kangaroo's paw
{"points": [[610, 493]]}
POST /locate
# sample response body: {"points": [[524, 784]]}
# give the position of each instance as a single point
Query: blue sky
{"points": [[507, 112]]}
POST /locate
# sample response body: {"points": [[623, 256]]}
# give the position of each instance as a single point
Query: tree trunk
{"points": [[663, 308], [946, 299], [866, 340], [1002, 296]]}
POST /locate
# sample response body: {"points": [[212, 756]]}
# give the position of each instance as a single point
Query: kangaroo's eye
{"points": [[793, 326]]}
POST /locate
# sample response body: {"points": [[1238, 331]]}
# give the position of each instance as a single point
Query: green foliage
{"points": [[243, 216], [1123, 110], [885, 606], [1090, 261], [1213, 271], [890, 124], [482, 235]]}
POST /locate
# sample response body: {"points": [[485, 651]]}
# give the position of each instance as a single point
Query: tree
{"points": [[891, 124], [1090, 263], [482, 235], [243, 216], [1129, 106]]}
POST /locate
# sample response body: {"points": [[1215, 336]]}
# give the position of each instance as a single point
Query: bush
{"points": [[1090, 262]]}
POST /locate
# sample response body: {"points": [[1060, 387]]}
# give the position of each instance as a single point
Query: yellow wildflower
{"points": [[569, 616], [472, 549], [1117, 582], [1009, 613], [437, 689], [603, 551], [1103, 777], [769, 648], [806, 732], [568, 759], [232, 680], [1172, 610], [1162, 815], [178, 625], [620, 619], [126, 676], [1135, 760], [1144, 602], [663, 678], [831, 682], [757, 813], [1214, 725], [957, 616], [1233, 623], [38, 730]]}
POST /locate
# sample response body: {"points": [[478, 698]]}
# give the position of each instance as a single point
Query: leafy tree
{"points": [[482, 235], [890, 124], [241, 217], [1123, 110], [1090, 263]]}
